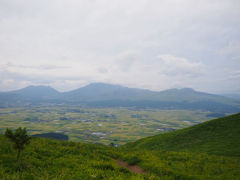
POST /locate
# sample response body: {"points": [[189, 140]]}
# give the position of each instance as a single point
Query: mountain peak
{"points": [[101, 84], [37, 91], [187, 90], [38, 87], [182, 90]]}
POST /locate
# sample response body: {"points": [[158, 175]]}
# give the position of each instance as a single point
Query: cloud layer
{"points": [[146, 44]]}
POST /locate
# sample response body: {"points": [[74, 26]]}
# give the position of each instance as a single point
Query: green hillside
{"points": [[220, 136], [161, 157], [61, 160]]}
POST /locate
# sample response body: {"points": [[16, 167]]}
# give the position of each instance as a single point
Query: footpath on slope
{"points": [[132, 168]]}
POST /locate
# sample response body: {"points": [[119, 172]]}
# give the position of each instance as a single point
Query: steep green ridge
{"points": [[219, 136]]}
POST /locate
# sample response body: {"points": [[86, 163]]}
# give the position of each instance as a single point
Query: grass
{"points": [[186, 165], [220, 137], [52, 159]]}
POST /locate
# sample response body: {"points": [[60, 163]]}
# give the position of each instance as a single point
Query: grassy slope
{"points": [[53, 159], [61, 160], [220, 137]]}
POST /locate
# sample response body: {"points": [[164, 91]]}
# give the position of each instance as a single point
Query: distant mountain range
{"points": [[108, 95], [233, 96]]}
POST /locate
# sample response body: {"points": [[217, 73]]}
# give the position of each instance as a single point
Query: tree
{"points": [[20, 138]]}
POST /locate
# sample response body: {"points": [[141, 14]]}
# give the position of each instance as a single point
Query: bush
{"points": [[134, 160]]}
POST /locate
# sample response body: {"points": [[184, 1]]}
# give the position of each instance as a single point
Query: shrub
{"points": [[20, 138], [134, 160]]}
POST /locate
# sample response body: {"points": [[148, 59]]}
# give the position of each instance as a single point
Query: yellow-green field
{"points": [[105, 126]]}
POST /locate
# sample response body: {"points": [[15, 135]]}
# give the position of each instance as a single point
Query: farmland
{"points": [[99, 125]]}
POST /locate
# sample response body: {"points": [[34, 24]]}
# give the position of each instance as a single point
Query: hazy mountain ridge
{"points": [[37, 92], [107, 95], [233, 96]]}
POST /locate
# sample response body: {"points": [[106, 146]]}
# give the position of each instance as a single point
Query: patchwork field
{"points": [[104, 125]]}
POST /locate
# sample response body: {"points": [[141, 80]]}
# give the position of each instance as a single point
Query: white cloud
{"points": [[176, 66], [232, 49], [72, 43]]}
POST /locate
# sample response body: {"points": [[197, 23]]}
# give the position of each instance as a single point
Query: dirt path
{"points": [[134, 168]]}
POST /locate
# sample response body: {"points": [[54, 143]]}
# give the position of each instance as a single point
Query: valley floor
{"points": [[99, 125]]}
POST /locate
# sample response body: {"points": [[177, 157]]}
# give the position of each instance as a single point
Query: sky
{"points": [[148, 44]]}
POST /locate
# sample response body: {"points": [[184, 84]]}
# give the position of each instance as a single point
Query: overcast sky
{"points": [[150, 44]]}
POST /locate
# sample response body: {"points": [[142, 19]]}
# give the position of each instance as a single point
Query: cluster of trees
{"points": [[20, 138]]}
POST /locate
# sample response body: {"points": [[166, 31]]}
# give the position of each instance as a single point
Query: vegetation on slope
{"points": [[52, 135], [220, 136], [185, 165], [53, 159]]}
